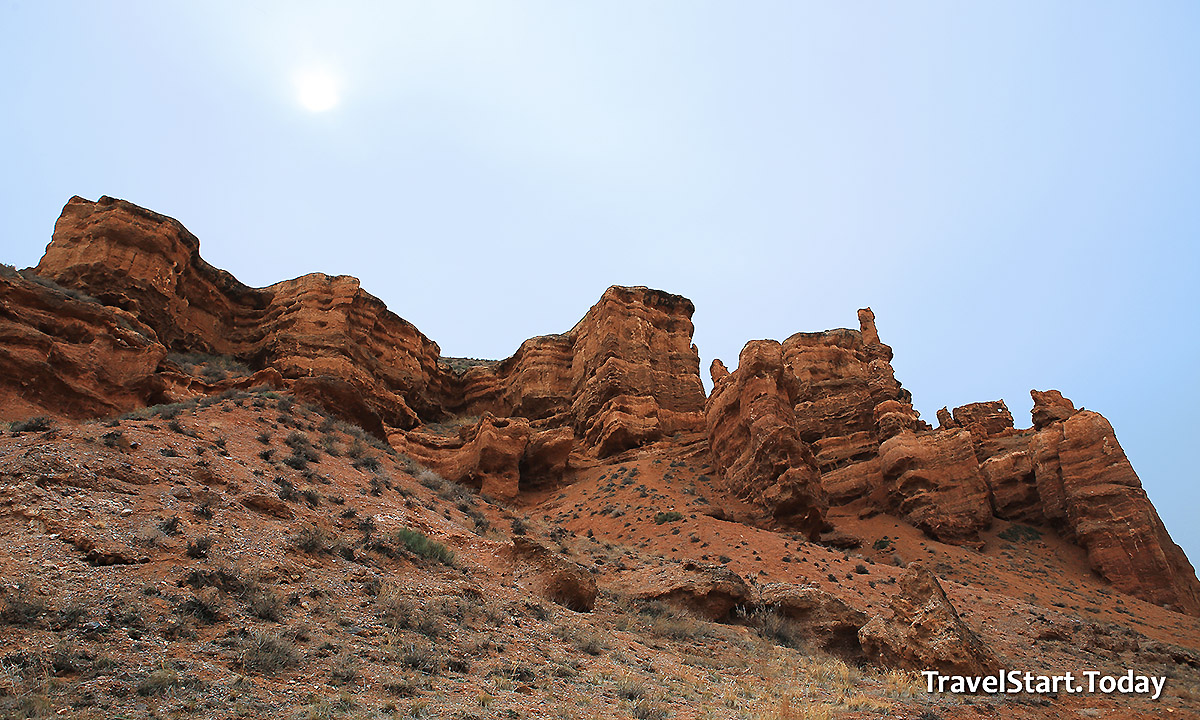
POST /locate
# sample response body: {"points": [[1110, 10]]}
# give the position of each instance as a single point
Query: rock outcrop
{"points": [[841, 377], [98, 327], [984, 418], [314, 326], [754, 444], [925, 632], [824, 620], [932, 480], [710, 591], [1088, 486], [63, 354], [627, 374], [494, 455]]}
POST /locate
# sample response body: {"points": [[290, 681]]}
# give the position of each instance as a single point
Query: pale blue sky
{"points": [[1011, 186]]}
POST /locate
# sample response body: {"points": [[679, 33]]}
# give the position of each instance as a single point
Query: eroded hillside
{"points": [[221, 499]]}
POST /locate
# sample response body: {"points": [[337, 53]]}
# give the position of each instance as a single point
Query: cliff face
{"points": [[625, 375], [797, 430], [326, 330], [63, 355], [754, 441], [1088, 486]]}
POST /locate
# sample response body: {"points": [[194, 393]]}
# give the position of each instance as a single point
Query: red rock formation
{"points": [[823, 619], [1050, 407], [925, 632], [754, 444], [842, 376], [70, 357], [932, 480], [984, 418], [494, 455], [819, 417], [311, 327], [1087, 484], [627, 374], [1011, 479], [710, 591]]}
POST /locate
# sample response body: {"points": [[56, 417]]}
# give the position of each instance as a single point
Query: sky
{"points": [[1013, 187]]}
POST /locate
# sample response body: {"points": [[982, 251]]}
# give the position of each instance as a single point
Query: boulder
{"points": [[932, 480], [709, 591], [823, 619], [925, 632]]}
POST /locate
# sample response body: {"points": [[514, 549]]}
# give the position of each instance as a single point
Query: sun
{"points": [[317, 90]]}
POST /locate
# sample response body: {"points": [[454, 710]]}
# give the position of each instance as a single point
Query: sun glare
{"points": [[317, 90]]}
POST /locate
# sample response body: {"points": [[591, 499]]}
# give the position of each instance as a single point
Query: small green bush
{"points": [[421, 545]]}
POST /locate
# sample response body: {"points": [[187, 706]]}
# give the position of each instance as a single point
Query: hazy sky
{"points": [[1013, 186]]}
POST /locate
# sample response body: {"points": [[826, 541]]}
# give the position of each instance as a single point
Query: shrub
{"points": [[158, 682], [586, 641], [33, 424], [204, 605], [345, 669], [212, 368], [266, 652], [19, 606], [776, 627], [287, 491], [1020, 533], [312, 540], [421, 545], [666, 517], [430, 479], [367, 462], [296, 461], [422, 657], [200, 547], [399, 612]]}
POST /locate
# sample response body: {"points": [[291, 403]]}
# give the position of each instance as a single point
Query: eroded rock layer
{"points": [[1089, 485], [625, 375], [63, 355], [754, 441], [796, 426], [314, 326]]}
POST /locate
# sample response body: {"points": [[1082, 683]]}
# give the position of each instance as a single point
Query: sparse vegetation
{"points": [[421, 545], [666, 517], [1020, 534], [268, 653], [40, 423], [213, 368]]}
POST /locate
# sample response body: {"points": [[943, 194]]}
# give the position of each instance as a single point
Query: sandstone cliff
{"points": [[797, 430]]}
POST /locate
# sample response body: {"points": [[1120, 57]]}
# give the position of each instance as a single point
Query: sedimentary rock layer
{"points": [[72, 357], [754, 443]]}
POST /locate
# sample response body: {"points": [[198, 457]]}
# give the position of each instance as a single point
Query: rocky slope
{"points": [[803, 501]]}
